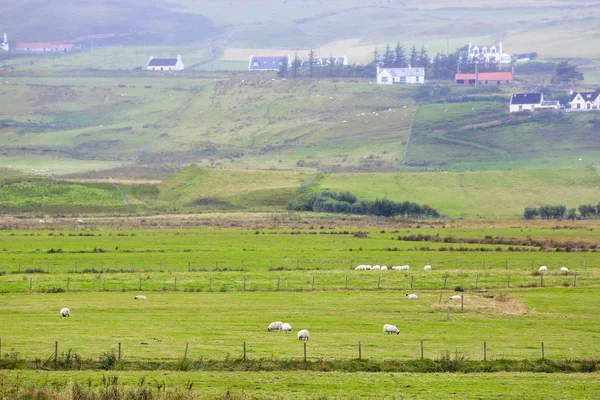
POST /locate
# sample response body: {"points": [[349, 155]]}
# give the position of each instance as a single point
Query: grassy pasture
{"points": [[324, 385], [216, 324]]}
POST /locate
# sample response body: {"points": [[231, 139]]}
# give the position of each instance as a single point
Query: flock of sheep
{"points": [[385, 268], [543, 268]]}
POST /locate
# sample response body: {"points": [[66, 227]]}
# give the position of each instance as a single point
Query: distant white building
{"points": [[531, 102], [165, 64], [389, 76], [584, 101], [491, 54], [4, 45]]}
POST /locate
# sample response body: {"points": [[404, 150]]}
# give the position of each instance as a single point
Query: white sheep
{"points": [[375, 268], [404, 268], [564, 269], [396, 268], [286, 327], [65, 312], [303, 334], [411, 296], [543, 268], [140, 297], [363, 268], [427, 268], [455, 297], [384, 268], [275, 326], [391, 329]]}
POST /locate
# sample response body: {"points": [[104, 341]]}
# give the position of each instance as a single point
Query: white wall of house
{"points": [[385, 77], [522, 107], [579, 103], [177, 67]]}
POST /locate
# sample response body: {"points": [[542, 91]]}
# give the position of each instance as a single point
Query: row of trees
{"points": [[584, 211], [346, 203]]}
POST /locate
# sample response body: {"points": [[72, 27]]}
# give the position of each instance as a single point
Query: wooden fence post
{"points": [[210, 284], [119, 351], [185, 353], [30, 284], [244, 350], [350, 264], [421, 350], [482, 264], [242, 265], [313, 283], [189, 267], [55, 353], [542, 350], [462, 302], [506, 263], [484, 351], [440, 301], [216, 265], [244, 284], [103, 284], [304, 351], [379, 282], [359, 351]]}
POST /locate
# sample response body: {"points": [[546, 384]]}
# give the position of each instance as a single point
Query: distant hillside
{"points": [[103, 21]]}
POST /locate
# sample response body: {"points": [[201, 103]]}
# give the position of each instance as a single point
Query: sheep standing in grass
{"points": [[391, 329], [455, 297], [411, 296], [303, 334], [404, 268], [543, 268], [384, 268], [427, 268], [564, 269], [140, 297], [287, 328], [375, 268], [65, 312], [363, 268], [275, 326]]}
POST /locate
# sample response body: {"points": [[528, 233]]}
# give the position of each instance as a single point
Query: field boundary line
{"points": [[412, 122]]}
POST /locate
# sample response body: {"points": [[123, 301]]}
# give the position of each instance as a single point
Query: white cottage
{"points": [[4, 45], [389, 76], [584, 101], [165, 64]]}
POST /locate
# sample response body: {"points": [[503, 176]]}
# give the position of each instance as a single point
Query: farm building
{"points": [[165, 64], [389, 76], [531, 102], [484, 78], [584, 101], [38, 47], [488, 54], [258, 63], [4, 45]]}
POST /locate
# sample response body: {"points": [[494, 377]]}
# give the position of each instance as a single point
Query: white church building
{"points": [[491, 54]]}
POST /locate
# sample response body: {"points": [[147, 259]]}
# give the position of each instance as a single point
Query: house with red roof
{"points": [[484, 78]]}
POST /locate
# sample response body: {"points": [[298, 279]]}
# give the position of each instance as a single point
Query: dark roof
{"points": [[587, 96], [258, 63], [526, 98], [162, 62]]}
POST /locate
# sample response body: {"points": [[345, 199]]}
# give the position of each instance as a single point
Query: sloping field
{"points": [[479, 136], [476, 194]]}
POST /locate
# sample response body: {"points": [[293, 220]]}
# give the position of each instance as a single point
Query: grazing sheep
{"points": [[543, 268], [427, 268], [80, 221], [363, 268], [140, 297], [286, 327], [384, 268], [65, 312], [411, 296], [390, 329], [275, 326], [396, 268], [375, 268], [564, 269], [455, 297], [404, 268], [303, 334]]}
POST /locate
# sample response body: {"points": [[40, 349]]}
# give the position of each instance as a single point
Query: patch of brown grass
{"points": [[498, 304]]}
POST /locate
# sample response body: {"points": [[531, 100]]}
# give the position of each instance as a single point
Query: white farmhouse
{"points": [[389, 76], [165, 64], [532, 102], [491, 54], [4, 45], [584, 101]]}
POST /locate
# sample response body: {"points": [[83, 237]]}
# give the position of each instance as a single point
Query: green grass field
{"points": [[239, 280]]}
